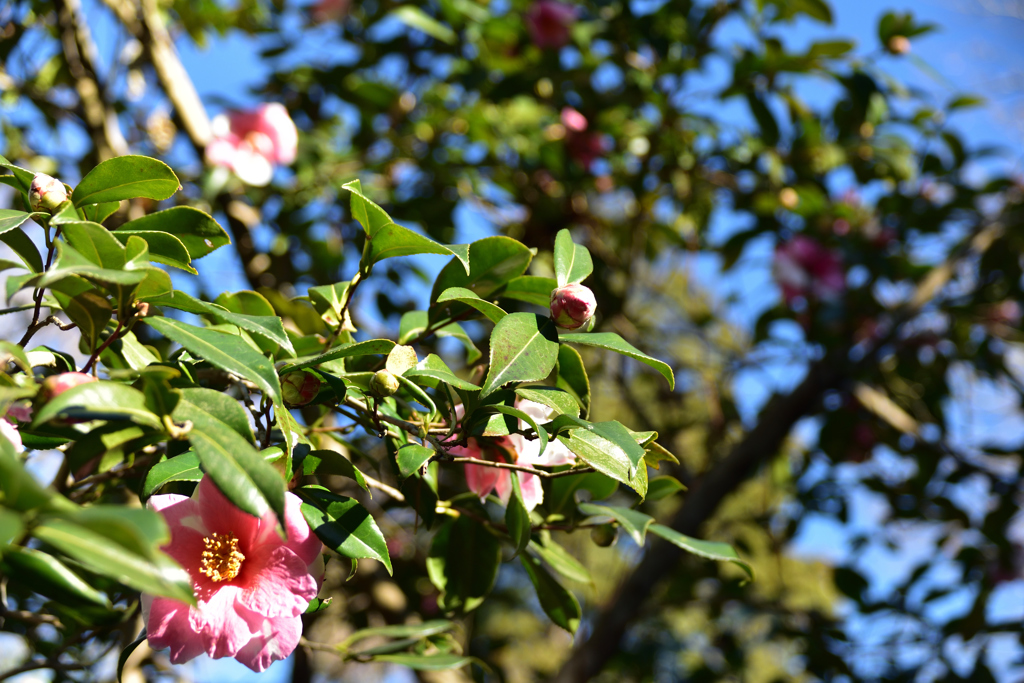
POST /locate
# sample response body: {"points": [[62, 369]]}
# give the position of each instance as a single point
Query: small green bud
{"points": [[383, 384], [299, 388], [46, 193], [603, 535]]}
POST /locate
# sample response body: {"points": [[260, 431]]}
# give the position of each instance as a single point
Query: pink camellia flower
{"points": [[10, 432], [520, 450], [548, 22], [573, 120], [251, 143], [55, 385], [803, 267], [251, 586], [572, 306]]}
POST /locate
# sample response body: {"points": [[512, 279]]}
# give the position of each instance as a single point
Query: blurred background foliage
{"points": [[681, 141]]}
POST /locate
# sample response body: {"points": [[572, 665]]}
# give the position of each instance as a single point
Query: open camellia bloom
{"points": [[519, 450], [251, 586], [251, 143], [803, 267]]}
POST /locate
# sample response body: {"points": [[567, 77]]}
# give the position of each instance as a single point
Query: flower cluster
{"points": [[805, 268], [251, 143], [516, 449], [251, 586]]}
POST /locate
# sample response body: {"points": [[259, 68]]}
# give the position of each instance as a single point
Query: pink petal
{"points": [[220, 515], [282, 587], [533, 492], [480, 480], [187, 530], [10, 432], [168, 625], [222, 151], [275, 639], [301, 539], [224, 631], [276, 123]]}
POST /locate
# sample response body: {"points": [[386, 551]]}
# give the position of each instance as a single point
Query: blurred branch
{"points": [[757, 448], [81, 56]]}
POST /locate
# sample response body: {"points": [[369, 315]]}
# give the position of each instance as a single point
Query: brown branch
{"points": [[519, 468], [757, 447]]}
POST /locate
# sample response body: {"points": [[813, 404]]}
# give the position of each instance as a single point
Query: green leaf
{"points": [[635, 523], [328, 300], [198, 231], [183, 467], [463, 564], [563, 402], [563, 490], [493, 262], [331, 462], [25, 248], [50, 577], [269, 327], [122, 659], [491, 311], [411, 457], [965, 101], [97, 213], [11, 219], [437, 662], [663, 487], [558, 603], [711, 550], [126, 177], [424, 630], [572, 261], [164, 248], [542, 434], [524, 348], [571, 376], [71, 262], [613, 342], [559, 559], [226, 351], [98, 401], [433, 367], [95, 243], [343, 525], [416, 18], [381, 347], [602, 456], [517, 517], [89, 311], [529, 288], [159, 576], [386, 239], [235, 466], [226, 409], [11, 528]]}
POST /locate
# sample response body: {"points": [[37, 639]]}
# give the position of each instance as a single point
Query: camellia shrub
{"points": [[195, 482]]}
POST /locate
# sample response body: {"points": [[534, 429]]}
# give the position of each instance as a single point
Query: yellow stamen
{"points": [[221, 559]]}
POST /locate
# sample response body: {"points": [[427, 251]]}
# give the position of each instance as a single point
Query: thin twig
{"points": [[519, 468], [381, 486]]}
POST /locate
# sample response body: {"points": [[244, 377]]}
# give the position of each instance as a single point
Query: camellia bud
{"points": [[46, 193], [603, 535], [383, 384], [57, 384], [299, 388], [899, 45], [572, 306]]}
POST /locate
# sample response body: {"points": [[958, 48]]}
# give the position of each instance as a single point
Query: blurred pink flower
{"points": [[548, 22], [329, 10], [573, 120], [251, 586], [251, 143], [521, 451], [10, 432], [803, 267]]}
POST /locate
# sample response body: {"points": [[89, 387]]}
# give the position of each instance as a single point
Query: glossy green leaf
{"points": [[563, 490], [122, 659], [269, 327], [126, 177], [198, 231], [331, 462], [11, 219], [530, 289], [164, 248], [541, 433], [524, 348], [561, 401], [491, 311], [329, 300], [558, 603], [25, 248], [95, 243], [433, 367], [98, 401], [722, 552], [602, 456], [344, 525], [663, 487], [11, 527], [183, 467], [225, 351], [571, 376], [559, 559], [613, 342], [463, 564], [493, 262], [50, 577], [366, 348], [517, 517], [97, 213], [159, 576], [89, 311], [572, 261], [228, 410], [411, 458], [633, 522], [71, 262]]}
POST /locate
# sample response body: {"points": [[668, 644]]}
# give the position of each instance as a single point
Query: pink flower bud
{"points": [[57, 384], [573, 120], [299, 388], [548, 22], [46, 193], [572, 306]]}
